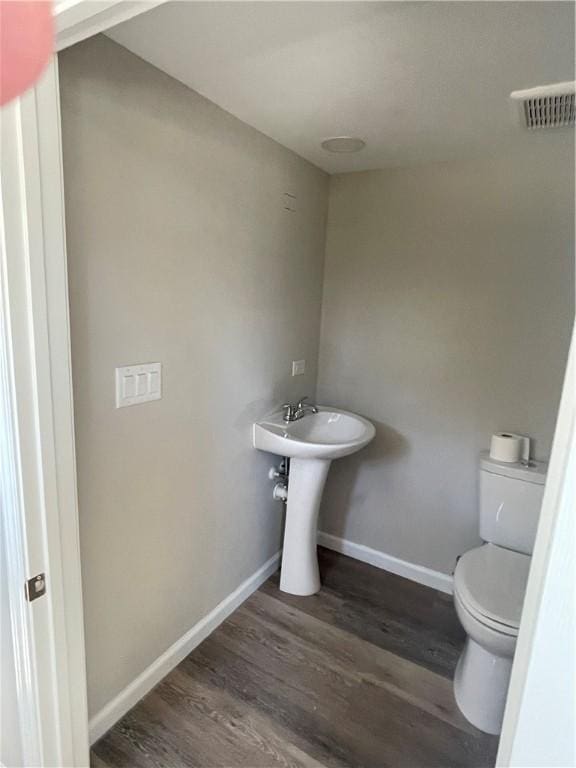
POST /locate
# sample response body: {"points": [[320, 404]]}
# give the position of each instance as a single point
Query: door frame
{"points": [[40, 516], [39, 489]]}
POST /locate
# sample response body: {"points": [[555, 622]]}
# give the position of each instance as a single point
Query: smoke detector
{"points": [[547, 106]]}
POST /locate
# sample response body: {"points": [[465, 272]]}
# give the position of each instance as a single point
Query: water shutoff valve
{"points": [[279, 472], [280, 492]]}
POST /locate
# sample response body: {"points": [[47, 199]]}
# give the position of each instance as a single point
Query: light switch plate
{"points": [[298, 367], [137, 384]]}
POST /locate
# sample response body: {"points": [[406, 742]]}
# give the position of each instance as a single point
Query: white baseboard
{"points": [[152, 675], [426, 576]]}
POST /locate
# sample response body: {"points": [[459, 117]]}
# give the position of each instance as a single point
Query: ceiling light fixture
{"points": [[343, 144]]}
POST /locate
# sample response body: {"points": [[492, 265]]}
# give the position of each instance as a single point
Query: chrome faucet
{"points": [[294, 412]]}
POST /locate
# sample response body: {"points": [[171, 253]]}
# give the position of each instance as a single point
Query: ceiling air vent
{"points": [[548, 106]]}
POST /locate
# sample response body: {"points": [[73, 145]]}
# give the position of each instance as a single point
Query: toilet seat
{"points": [[490, 583], [496, 628]]}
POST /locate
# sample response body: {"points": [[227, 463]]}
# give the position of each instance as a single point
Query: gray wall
{"points": [[448, 303], [179, 251]]}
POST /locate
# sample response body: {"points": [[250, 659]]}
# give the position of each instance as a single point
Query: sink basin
{"points": [[328, 434], [311, 443]]}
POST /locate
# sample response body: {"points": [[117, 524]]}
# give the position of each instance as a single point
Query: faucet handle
{"points": [[288, 409], [304, 407]]}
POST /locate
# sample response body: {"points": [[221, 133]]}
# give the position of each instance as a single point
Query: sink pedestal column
{"points": [[300, 574]]}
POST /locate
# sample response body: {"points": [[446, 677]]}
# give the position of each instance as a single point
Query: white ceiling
{"points": [[419, 82]]}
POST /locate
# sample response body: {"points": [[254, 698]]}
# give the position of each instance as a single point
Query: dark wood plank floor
{"points": [[358, 675]]}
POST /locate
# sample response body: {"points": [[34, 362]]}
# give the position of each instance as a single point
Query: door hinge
{"points": [[35, 587]]}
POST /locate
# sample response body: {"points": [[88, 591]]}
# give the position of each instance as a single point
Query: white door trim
{"points": [[76, 20], [36, 336]]}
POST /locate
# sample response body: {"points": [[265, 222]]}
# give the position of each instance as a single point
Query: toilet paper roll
{"points": [[506, 446]]}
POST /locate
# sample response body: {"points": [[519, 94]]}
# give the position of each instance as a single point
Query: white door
{"points": [[11, 742]]}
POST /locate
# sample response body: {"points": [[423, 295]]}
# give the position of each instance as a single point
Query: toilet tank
{"points": [[510, 501]]}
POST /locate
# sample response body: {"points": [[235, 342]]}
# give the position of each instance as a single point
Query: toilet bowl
{"points": [[489, 585]]}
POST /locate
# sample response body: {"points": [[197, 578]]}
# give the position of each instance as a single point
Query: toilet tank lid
{"points": [[535, 473]]}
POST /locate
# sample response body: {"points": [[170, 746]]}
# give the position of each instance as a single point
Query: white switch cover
{"points": [[298, 367], [137, 384]]}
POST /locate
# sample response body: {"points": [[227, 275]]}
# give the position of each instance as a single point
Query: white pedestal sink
{"points": [[311, 443]]}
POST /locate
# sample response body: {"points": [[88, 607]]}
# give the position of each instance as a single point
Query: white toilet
{"points": [[489, 586]]}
